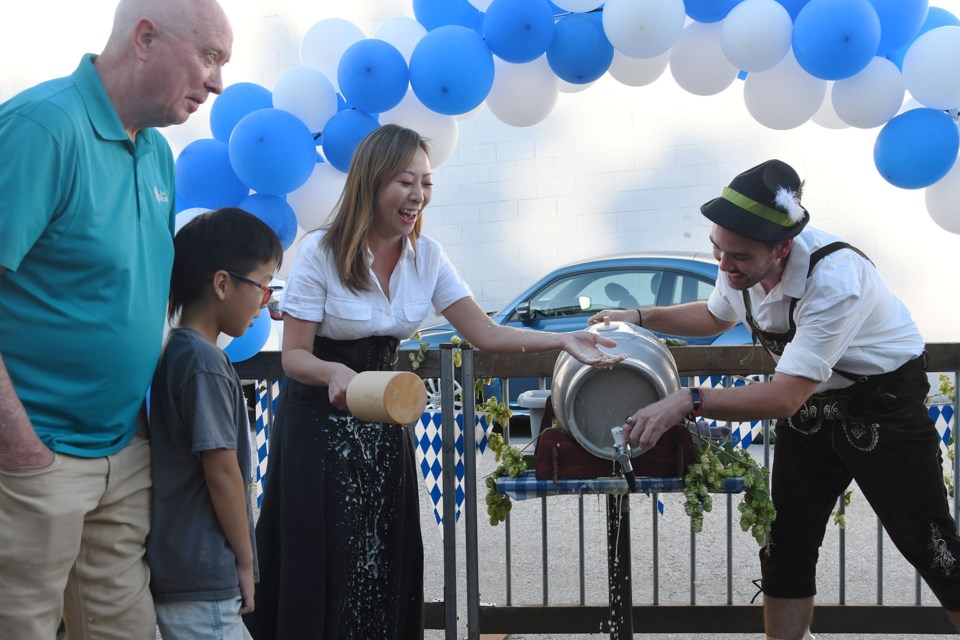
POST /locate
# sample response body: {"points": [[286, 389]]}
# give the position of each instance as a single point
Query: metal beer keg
{"points": [[588, 401]]}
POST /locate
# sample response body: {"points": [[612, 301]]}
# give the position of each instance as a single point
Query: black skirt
{"points": [[341, 555]]}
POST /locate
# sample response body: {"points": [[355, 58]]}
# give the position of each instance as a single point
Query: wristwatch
{"points": [[697, 398]]}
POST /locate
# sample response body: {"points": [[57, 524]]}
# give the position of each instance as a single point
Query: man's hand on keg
{"points": [[645, 426]]}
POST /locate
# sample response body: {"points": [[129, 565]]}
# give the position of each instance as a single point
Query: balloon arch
{"points": [[283, 154]]}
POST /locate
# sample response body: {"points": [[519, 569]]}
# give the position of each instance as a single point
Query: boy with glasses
{"points": [[201, 549]]}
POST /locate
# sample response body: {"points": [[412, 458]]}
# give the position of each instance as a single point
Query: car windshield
{"points": [[587, 293]]}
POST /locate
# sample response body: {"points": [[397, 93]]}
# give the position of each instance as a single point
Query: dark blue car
{"points": [[564, 299]]}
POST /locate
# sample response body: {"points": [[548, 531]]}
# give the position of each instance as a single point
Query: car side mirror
{"points": [[524, 313]]}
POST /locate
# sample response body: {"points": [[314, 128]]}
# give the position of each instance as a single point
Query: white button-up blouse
{"points": [[422, 279]]}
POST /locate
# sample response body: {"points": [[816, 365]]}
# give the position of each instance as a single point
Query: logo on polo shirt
{"points": [[161, 196]]}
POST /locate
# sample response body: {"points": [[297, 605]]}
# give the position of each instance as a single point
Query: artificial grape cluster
{"points": [[512, 465], [716, 464]]}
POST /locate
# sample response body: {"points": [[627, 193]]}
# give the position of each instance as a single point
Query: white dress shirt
{"points": [[846, 316], [421, 280]]}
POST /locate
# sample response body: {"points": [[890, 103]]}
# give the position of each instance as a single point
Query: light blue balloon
{"points": [[580, 52], [433, 14], [916, 148], [205, 178], [900, 22], [709, 10], [343, 134], [518, 31], [936, 17], [451, 70], [835, 39], [272, 151], [276, 213], [249, 344], [373, 75], [236, 101]]}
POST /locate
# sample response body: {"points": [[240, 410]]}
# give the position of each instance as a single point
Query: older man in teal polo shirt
{"points": [[86, 249]]}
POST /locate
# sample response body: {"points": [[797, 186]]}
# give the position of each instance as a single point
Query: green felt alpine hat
{"points": [[762, 203]]}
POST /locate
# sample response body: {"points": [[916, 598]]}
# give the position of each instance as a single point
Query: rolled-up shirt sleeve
{"points": [[305, 292], [719, 305], [450, 286]]}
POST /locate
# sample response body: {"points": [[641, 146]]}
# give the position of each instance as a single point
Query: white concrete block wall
{"points": [[613, 169]]}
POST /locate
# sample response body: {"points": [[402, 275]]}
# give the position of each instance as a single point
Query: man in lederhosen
{"points": [[850, 375]]}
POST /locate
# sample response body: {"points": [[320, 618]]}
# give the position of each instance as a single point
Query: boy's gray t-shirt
{"points": [[196, 404]]}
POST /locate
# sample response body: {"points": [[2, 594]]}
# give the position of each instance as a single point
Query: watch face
{"points": [[697, 399]]}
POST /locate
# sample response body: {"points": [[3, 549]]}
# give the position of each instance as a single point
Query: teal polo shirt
{"points": [[86, 236]]}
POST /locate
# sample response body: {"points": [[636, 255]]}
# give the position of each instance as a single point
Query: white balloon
{"points": [[784, 97], [756, 34], [482, 5], [186, 216], [825, 116], [578, 6], [308, 94], [469, 114], [441, 132], [943, 200], [289, 255], [909, 104], [643, 28], [871, 97], [930, 68], [402, 32], [523, 94], [324, 43], [314, 201], [223, 340], [697, 62], [572, 87], [637, 72]]}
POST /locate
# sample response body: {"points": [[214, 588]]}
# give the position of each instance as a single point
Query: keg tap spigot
{"points": [[622, 447]]}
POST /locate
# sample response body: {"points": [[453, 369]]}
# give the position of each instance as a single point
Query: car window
{"points": [[586, 293], [686, 288]]}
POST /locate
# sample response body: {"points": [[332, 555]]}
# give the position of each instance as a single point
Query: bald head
{"points": [[177, 15], [163, 59]]}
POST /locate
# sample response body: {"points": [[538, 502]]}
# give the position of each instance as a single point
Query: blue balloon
{"points": [[451, 70], [793, 6], [900, 22], [343, 134], [518, 31], [276, 213], [272, 151], [373, 75], [835, 39], [181, 204], [709, 10], [936, 17], [555, 9], [205, 177], [441, 13], [580, 52], [249, 344], [236, 101], [916, 148]]}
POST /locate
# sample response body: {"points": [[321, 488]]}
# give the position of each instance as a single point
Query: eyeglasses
{"points": [[267, 291]]}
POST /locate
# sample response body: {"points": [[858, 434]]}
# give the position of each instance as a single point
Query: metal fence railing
{"points": [[720, 563]]}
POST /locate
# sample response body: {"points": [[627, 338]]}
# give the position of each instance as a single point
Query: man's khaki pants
{"points": [[72, 540]]}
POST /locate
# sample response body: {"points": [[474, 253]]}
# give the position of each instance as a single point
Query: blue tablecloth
{"points": [[527, 486]]}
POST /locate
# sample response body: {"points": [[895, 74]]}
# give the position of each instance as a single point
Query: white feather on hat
{"points": [[787, 200]]}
